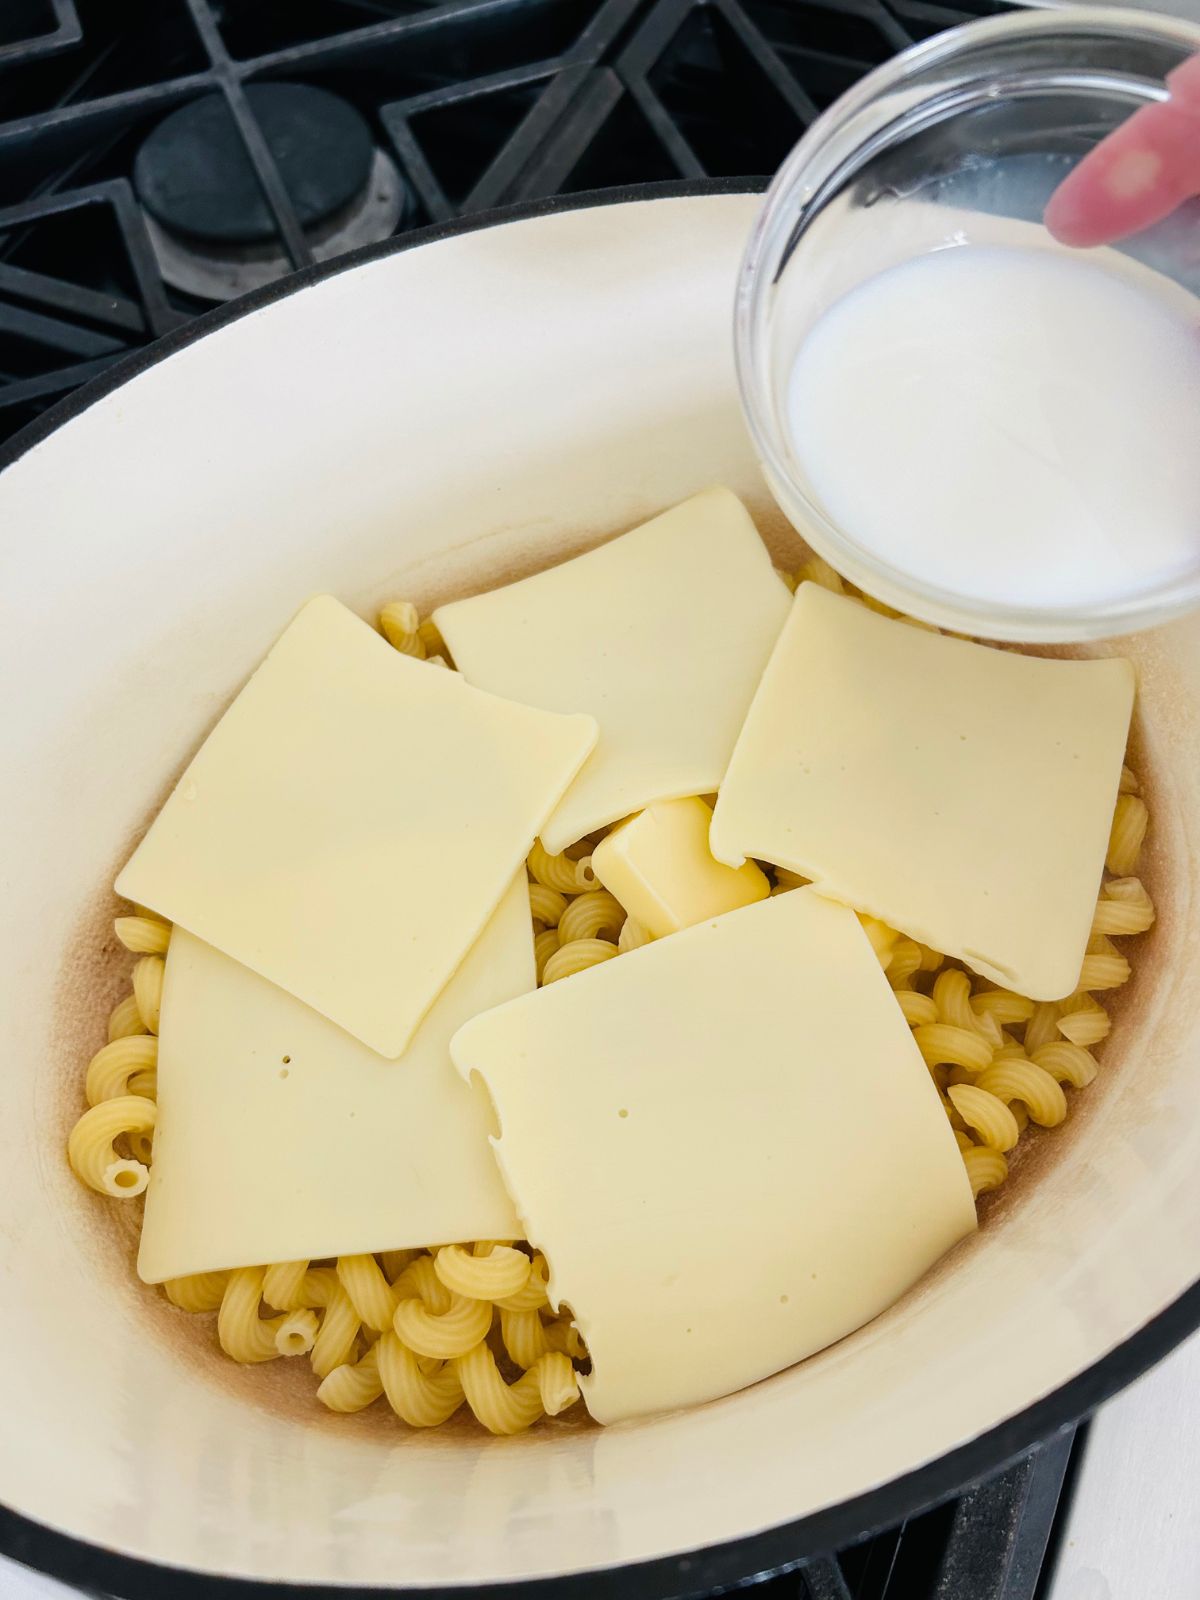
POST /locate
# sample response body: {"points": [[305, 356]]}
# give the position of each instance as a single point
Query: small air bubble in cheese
{"points": [[960, 793], [728, 1146], [352, 821], [662, 634], [658, 865], [281, 1138]]}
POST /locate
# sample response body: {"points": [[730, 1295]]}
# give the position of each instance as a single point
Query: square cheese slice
{"points": [[728, 1146], [352, 821], [281, 1138], [961, 793], [662, 635]]}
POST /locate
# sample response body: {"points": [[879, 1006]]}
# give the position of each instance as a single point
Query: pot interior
{"points": [[430, 424]]}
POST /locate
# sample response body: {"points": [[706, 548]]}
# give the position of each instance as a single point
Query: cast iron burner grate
{"points": [[434, 111]]}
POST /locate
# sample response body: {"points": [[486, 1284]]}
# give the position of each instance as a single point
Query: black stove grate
{"points": [[476, 104]]}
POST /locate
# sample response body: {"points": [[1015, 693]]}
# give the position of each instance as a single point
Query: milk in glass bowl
{"points": [[978, 425]]}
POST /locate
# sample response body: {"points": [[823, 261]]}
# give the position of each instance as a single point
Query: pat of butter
{"points": [[728, 1146], [352, 821], [662, 635], [281, 1138], [659, 867], [962, 794]]}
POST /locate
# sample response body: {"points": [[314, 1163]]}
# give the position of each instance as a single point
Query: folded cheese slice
{"points": [[662, 635], [352, 821], [728, 1146], [281, 1138], [961, 793]]}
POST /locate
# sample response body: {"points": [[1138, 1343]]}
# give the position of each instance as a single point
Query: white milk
{"points": [[1009, 424]]}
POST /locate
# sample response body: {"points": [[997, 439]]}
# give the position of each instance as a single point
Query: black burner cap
{"points": [[194, 176]]}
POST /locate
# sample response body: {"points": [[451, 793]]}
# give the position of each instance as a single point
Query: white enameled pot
{"points": [[427, 420]]}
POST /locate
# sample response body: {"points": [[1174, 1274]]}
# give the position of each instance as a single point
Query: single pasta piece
{"points": [[817, 570], [531, 1296], [991, 1118], [422, 1399], [147, 989], [282, 1284], [244, 1334], [500, 1407], [571, 958], [905, 962], [145, 1083], [371, 1295], [546, 905], [297, 1333], [1029, 1083], [952, 996], [633, 936], [335, 1343], [1124, 907], [111, 1068], [202, 1291], [986, 1168], [353, 1387], [919, 1009], [558, 1384], [931, 959], [446, 1334], [1042, 1025], [90, 1146], [1086, 1027], [963, 1140], [1129, 783], [589, 915], [1103, 972], [496, 1276], [125, 1020], [545, 944], [559, 872], [1130, 820], [944, 1045], [400, 624], [1006, 1007], [145, 936], [1067, 1062]]}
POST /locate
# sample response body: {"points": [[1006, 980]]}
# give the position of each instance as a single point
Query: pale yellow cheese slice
{"points": [[352, 821], [658, 865], [961, 793], [728, 1146], [661, 634], [281, 1138]]}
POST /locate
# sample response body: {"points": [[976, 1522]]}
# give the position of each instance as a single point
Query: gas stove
{"points": [[160, 157]]}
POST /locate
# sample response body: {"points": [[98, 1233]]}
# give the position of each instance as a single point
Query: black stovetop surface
{"points": [[441, 110]]}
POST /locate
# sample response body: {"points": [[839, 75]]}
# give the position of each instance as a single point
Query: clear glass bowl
{"points": [[978, 123]]}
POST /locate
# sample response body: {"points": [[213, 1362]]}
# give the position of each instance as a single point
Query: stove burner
{"points": [[209, 221], [194, 175]]}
